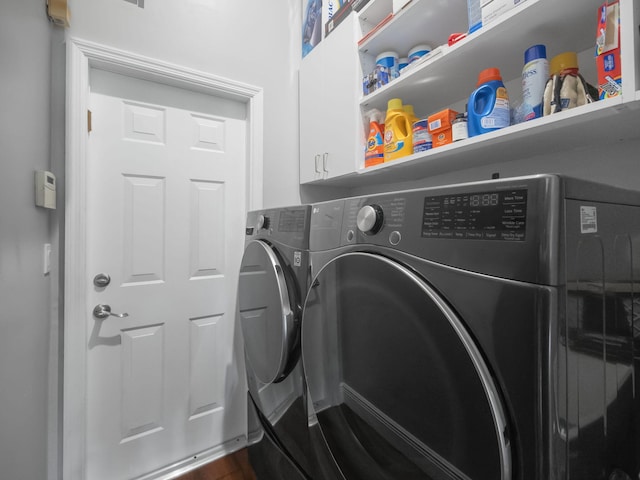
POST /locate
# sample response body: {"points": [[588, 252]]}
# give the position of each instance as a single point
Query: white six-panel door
{"points": [[165, 208]]}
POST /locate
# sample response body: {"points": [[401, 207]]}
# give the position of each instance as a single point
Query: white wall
{"points": [[25, 73], [252, 41]]}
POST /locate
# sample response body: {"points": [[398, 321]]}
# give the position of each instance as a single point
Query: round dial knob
{"points": [[370, 219], [263, 222]]}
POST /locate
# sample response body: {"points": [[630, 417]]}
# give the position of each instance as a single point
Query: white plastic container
{"points": [[388, 61], [418, 51], [534, 78], [402, 63]]}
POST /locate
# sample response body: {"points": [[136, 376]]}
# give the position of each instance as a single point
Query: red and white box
{"points": [[608, 51]]}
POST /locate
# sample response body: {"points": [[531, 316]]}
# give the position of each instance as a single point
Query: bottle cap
{"points": [[394, 104], [488, 75], [535, 52], [409, 109], [564, 61]]}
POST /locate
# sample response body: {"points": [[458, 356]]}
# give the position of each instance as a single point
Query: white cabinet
{"points": [[331, 135], [446, 79]]}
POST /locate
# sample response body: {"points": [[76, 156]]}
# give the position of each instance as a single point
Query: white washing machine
{"points": [[481, 331]]}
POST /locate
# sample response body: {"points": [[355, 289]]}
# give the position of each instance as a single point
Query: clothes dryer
{"points": [[274, 275], [483, 331]]}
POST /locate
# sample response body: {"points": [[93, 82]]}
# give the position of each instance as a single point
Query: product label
{"points": [[459, 131], [375, 143], [500, 116], [588, 220], [394, 147], [534, 79], [435, 125], [420, 133]]}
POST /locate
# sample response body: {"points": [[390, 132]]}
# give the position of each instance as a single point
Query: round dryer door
{"points": [[266, 298], [399, 388]]}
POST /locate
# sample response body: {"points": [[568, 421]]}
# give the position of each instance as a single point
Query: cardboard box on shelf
{"points": [[439, 125], [608, 51], [492, 9]]}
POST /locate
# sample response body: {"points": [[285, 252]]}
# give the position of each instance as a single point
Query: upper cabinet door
{"points": [[331, 134]]}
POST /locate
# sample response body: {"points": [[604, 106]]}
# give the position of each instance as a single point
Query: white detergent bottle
{"points": [[534, 78]]}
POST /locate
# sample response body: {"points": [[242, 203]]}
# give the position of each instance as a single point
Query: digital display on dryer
{"points": [[495, 215], [292, 220]]}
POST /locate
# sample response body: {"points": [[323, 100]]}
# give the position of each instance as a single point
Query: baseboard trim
{"points": [[196, 461]]}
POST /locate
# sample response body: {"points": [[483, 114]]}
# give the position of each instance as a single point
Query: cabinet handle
{"points": [[317, 159], [325, 161]]}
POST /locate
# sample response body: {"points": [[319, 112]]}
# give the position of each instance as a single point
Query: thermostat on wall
{"points": [[45, 189]]}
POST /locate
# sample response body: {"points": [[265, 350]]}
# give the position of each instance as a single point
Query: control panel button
{"points": [[369, 219], [350, 235], [395, 237]]}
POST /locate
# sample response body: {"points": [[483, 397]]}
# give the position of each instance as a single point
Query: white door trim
{"points": [[81, 57]]}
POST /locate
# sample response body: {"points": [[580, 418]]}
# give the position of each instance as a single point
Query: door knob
{"points": [[103, 311]]}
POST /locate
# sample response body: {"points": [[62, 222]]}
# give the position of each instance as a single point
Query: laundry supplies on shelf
{"points": [[397, 131], [534, 77], [488, 106]]}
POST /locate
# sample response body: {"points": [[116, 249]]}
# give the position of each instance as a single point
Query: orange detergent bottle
{"points": [[374, 153]]}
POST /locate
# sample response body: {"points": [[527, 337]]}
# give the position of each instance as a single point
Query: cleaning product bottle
{"points": [[375, 141], [566, 88], [534, 78], [488, 107], [397, 131]]}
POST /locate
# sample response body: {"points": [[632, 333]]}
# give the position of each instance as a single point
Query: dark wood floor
{"points": [[232, 467]]}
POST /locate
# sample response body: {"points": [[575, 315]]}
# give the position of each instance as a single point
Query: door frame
{"points": [[82, 56]]}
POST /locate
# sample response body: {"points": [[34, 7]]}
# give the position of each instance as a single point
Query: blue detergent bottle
{"points": [[488, 107]]}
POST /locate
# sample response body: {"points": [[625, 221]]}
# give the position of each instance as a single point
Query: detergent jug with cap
{"points": [[488, 107], [566, 88], [398, 133], [375, 141]]}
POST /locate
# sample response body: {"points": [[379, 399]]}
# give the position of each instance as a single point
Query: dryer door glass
{"points": [[267, 314], [398, 387]]}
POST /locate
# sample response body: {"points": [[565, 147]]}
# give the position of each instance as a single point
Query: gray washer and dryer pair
{"points": [[274, 278], [483, 331]]}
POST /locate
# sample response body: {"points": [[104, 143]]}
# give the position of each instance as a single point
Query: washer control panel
{"points": [[289, 225], [394, 218], [492, 215]]}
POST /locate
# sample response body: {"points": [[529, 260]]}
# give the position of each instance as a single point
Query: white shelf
{"points": [[582, 127], [452, 76], [422, 21], [373, 13], [446, 81]]}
